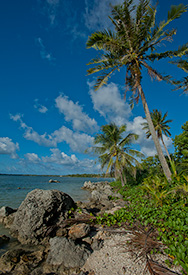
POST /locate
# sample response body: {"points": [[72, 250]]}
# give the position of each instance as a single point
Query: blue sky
{"points": [[49, 111]]}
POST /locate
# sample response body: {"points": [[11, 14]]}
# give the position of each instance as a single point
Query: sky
{"points": [[50, 112]]}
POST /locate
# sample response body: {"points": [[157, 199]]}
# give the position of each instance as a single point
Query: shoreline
{"points": [[97, 248]]}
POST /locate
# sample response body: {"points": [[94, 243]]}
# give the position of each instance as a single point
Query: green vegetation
{"points": [[181, 150], [115, 152], [161, 127], [155, 204]]}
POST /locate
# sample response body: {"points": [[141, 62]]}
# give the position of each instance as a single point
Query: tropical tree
{"points": [[161, 127], [114, 151], [182, 84], [181, 149], [133, 46]]}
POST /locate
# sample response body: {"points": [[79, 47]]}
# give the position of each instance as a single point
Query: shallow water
{"points": [[13, 189]]}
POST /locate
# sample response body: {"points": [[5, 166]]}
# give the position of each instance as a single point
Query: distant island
{"points": [[103, 175]]}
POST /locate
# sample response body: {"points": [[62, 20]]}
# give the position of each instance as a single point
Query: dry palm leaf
{"points": [[156, 269]]}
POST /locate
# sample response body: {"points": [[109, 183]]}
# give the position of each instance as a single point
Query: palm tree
{"points": [[161, 127], [182, 84], [115, 152], [132, 45]]}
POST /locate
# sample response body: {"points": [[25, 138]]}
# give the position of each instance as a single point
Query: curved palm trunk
{"points": [[162, 159], [123, 178], [166, 149]]}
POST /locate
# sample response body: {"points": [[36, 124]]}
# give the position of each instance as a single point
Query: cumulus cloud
{"points": [[41, 108], [43, 52], [59, 157], [110, 104], [8, 147], [77, 142], [32, 157], [97, 12], [147, 146], [74, 112]]}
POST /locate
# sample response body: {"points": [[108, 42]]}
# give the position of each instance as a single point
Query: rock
{"points": [[8, 220], [56, 181], [20, 261], [38, 213], [78, 231], [97, 244], [4, 239], [5, 211], [66, 253]]}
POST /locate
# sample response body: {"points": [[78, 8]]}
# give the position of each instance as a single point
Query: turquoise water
{"points": [[13, 189]]}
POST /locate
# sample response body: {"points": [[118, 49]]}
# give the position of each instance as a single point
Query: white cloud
{"points": [[147, 146], [110, 104], [74, 112], [52, 9], [59, 157], [97, 12], [77, 142], [43, 53], [41, 108], [7, 147], [32, 157]]}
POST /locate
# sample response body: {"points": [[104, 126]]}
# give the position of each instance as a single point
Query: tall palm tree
{"points": [[182, 84], [161, 127], [132, 45], [115, 152]]}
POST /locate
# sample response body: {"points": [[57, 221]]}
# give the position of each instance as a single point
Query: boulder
{"points": [[66, 253], [78, 231], [38, 213], [54, 181]]}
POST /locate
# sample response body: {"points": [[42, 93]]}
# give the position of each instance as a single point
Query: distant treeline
{"points": [[71, 175]]}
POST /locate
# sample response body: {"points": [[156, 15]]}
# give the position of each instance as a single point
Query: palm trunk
{"points": [[123, 178], [162, 159], [166, 149]]}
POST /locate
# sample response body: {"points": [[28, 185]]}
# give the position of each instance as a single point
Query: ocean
{"points": [[14, 188]]}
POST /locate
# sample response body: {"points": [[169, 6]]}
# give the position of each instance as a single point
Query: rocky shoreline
{"points": [[57, 236]]}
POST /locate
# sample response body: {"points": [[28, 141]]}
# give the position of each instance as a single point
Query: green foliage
{"points": [[114, 151], [181, 149], [170, 219]]}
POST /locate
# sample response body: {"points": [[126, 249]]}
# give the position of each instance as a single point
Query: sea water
{"points": [[13, 189]]}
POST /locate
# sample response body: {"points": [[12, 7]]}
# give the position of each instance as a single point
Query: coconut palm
{"points": [[161, 127], [115, 152], [133, 46], [182, 84]]}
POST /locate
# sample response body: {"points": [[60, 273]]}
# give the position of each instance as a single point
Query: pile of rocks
{"points": [[52, 233]]}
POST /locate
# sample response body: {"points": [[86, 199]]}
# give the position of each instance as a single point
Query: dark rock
{"points": [[39, 212], [5, 211], [4, 239], [64, 252], [20, 261], [78, 231], [54, 181]]}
